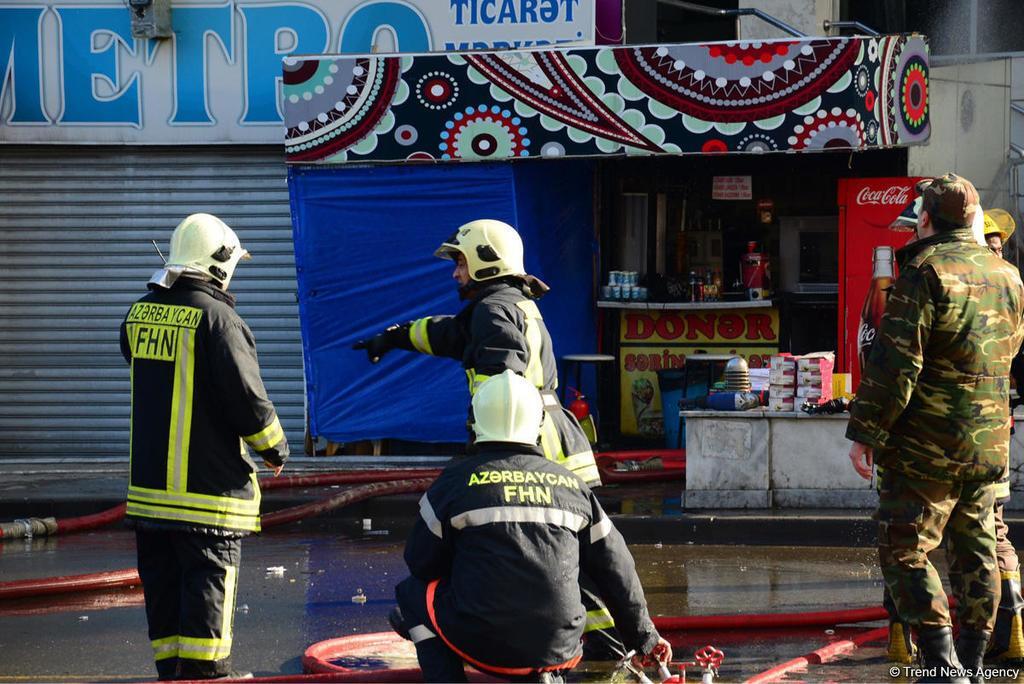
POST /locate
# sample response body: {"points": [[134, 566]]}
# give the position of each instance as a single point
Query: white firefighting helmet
{"points": [[205, 244], [507, 408], [492, 249]]}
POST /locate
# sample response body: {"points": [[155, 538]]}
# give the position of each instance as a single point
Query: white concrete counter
{"points": [[776, 459]]}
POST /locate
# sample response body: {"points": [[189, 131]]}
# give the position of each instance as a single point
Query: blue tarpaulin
{"points": [[364, 244]]}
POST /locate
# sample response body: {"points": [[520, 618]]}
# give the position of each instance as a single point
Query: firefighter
{"points": [[494, 555], [1007, 643], [197, 403], [499, 329]]}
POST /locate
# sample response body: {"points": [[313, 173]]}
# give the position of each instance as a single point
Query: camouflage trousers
{"points": [[912, 515]]}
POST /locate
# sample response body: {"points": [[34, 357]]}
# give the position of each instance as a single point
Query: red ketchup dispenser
{"points": [[754, 273]]}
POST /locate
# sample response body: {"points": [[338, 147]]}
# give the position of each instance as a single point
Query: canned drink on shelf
{"points": [[616, 291], [634, 293], [606, 292]]}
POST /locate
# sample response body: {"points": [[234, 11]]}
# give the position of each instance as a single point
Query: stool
{"points": [[578, 361]]}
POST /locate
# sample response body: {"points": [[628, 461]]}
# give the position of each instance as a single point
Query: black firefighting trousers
{"points": [[190, 582]]}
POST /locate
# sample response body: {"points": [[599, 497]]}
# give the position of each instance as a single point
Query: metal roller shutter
{"points": [[76, 226]]}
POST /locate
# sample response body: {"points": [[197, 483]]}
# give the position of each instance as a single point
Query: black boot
{"points": [[1007, 643], [970, 647], [935, 647]]}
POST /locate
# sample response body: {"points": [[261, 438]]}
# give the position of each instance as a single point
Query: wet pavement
{"points": [[690, 563], [102, 636]]}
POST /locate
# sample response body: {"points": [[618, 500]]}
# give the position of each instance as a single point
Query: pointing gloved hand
{"points": [[395, 336]]}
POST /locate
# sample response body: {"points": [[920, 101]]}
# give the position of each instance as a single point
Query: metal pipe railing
{"points": [[742, 12], [863, 28]]}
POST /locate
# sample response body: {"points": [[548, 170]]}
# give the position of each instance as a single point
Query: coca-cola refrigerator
{"points": [[873, 213]]}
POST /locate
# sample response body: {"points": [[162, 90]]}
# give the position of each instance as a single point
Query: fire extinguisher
{"points": [[579, 407]]}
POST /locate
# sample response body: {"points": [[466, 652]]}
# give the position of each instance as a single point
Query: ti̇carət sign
{"points": [[73, 73]]}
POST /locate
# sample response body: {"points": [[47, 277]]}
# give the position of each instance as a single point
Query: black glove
{"points": [[393, 337]]}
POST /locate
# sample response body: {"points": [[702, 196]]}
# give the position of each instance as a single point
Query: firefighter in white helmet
{"points": [[503, 597], [197, 402], [501, 328]]}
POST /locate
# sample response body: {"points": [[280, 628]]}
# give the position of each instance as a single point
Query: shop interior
{"points": [[682, 233]]}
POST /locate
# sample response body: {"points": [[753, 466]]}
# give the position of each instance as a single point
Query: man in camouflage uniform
{"points": [[933, 409]]}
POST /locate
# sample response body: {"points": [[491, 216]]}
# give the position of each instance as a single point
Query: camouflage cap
{"points": [[950, 198]]}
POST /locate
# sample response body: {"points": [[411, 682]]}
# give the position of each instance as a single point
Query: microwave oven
{"points": [[809, 254]]}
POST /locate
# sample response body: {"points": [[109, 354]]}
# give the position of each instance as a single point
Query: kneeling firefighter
{"points": [[494, 555], [499, 329], [197, 402]]}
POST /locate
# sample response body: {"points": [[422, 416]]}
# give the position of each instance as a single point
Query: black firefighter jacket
{"points": [[197, 400], [501, 329], [507, 533]]}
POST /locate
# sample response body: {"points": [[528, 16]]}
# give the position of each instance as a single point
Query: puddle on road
{"points": [[322, 564]]}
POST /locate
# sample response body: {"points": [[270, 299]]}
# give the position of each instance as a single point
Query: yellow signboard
{"points": [[650, 341]]}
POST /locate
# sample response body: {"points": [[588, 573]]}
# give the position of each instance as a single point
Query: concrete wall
{"points": [[970, 117], [804, 15]]}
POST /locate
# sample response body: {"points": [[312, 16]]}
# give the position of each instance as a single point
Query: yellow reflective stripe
{"points": [[181, 413], [549, 440], [589, 474], [227, 618], [534, 341], [165, 648], [198, 501], [204, 649], [267, 437], [598, 619], [238, 522], [475, 380], [577, 461], [419, 337]]}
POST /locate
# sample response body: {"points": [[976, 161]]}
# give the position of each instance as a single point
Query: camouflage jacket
{"points": [[933, 398]]}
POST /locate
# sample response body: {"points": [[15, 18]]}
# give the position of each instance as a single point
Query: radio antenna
{"points": [[159, 252]]}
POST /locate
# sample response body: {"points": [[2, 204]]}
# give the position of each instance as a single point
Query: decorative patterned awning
{"points": [[747, 97]]}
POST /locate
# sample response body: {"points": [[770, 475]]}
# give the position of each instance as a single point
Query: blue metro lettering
{"points": [[21, 75], [512, 11], [264, 26], [192, 26], [84, 64], [408, 26]]}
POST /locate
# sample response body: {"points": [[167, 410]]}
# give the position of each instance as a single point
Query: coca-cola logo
{"points": [[865, 336], [896, 194]]}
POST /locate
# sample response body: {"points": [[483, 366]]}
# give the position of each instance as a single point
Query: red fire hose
{"points": [[822, 655], [124, 578], [50, 526], [769, 620]]}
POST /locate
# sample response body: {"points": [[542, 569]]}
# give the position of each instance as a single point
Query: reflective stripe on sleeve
{"points": [[519, 514], [267, 438], [598, 619], [429, 517], [420, 633], [419, 337], [600, 530]]}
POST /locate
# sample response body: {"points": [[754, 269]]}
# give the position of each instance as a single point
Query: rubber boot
{"points": [[935, 646], [901, 647], [1007, 643], [970, 647]]}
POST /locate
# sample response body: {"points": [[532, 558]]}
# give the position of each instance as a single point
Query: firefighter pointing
{"points": [[500, 328], [198, 404]]}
